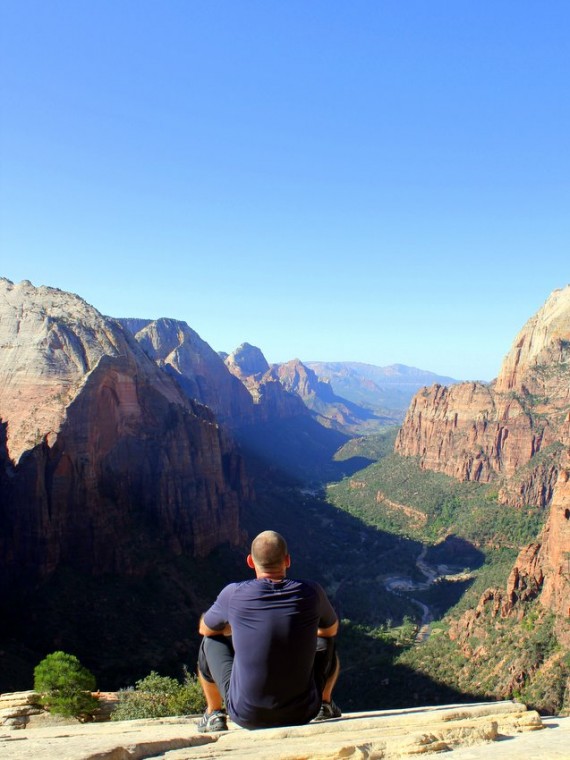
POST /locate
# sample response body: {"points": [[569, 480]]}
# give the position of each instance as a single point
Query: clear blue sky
{"points": [[330, 180]]}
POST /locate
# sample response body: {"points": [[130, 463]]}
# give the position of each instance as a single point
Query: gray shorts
{"points": [[216, 658]]}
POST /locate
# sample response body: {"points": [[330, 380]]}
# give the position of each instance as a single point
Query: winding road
{"points": [[397, 584]]}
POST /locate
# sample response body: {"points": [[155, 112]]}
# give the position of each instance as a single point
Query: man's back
{"points": [[274, 632]]}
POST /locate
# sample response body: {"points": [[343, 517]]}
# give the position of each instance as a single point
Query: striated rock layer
{"points": [[512, 429], [102, 455]]}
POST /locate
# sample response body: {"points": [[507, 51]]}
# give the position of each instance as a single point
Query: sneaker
{"points": [[328, 711], [214, 721]]}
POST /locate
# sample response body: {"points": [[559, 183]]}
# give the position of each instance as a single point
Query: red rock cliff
{"points": [[543, 569], [199, 370], [473, 431], [103, 458]]}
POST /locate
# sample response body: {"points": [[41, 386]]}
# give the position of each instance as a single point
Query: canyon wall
{"points": [[198, 369], [104, 459], [515, 432], [512, 430]]}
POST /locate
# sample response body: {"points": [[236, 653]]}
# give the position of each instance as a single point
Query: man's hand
{"points": [[204, 630], [327, 633]]}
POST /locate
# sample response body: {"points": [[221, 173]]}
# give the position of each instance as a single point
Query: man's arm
{"points": [[204, 630], [327, 633]]}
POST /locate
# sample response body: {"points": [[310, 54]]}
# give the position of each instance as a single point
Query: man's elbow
{"points": [[327, 633], [203, 629]]}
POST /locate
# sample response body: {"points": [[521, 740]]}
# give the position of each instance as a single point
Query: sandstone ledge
{"points": [[383, 735]]}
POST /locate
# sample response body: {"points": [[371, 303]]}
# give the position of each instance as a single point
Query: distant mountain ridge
{"points": [[330, 409], [296, 382], [387, 390]]}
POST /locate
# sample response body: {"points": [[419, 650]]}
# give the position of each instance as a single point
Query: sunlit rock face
{"points": [[198, 369], [102, 454], [551, 569], [516, 431], [541, 572], [472, 431], [272, 400]]}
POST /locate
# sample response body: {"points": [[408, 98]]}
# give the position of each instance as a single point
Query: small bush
{"points": [[65, 686], [159, 696]]}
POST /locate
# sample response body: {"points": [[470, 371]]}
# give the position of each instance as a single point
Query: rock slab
{"points": [[385, 735]]}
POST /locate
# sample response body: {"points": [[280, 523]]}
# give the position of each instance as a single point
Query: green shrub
{"points": [[157, 696], [65, 686]]}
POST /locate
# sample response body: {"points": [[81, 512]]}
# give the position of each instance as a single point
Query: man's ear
{"points": [[287, 560], [250, 562]]}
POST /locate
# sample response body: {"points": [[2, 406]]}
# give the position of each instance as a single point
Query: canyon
{"points": [[132, 453]]}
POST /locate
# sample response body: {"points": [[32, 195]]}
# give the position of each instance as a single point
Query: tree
{"points": [[65, 685]]}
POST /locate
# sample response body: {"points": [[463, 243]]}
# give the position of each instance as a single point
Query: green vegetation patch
{"points": [[65, 685], [396, 495], [372, 447], [159, 696], [503, 658]]}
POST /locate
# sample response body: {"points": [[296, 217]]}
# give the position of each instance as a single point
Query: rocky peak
{"points": [[272, 401], [198, 369], [51, 340], [472, 431], [247, 360], [161, 338], [544, 340], [300, 379]]}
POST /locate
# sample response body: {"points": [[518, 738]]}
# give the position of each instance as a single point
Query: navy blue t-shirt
{"points": [[274, 634]]}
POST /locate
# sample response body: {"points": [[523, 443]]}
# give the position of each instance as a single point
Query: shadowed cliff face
{"points": [[198, 369], [476, 432], [119, 459]]}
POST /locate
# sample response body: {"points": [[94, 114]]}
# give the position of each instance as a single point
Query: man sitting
{"points": [[268, 649]]}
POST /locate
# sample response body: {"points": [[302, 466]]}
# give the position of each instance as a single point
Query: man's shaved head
{"points": [[269, 551]]}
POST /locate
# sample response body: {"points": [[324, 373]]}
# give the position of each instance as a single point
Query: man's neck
{"points": [[278, 576]]}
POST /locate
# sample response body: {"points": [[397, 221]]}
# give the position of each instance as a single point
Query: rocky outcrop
{"points": [[18, 708], [500, 654], [199, 370], [272, 400], [542, 569], [318, 396], [389, 735], [102, 454], [555, 551], [473, 431]]}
